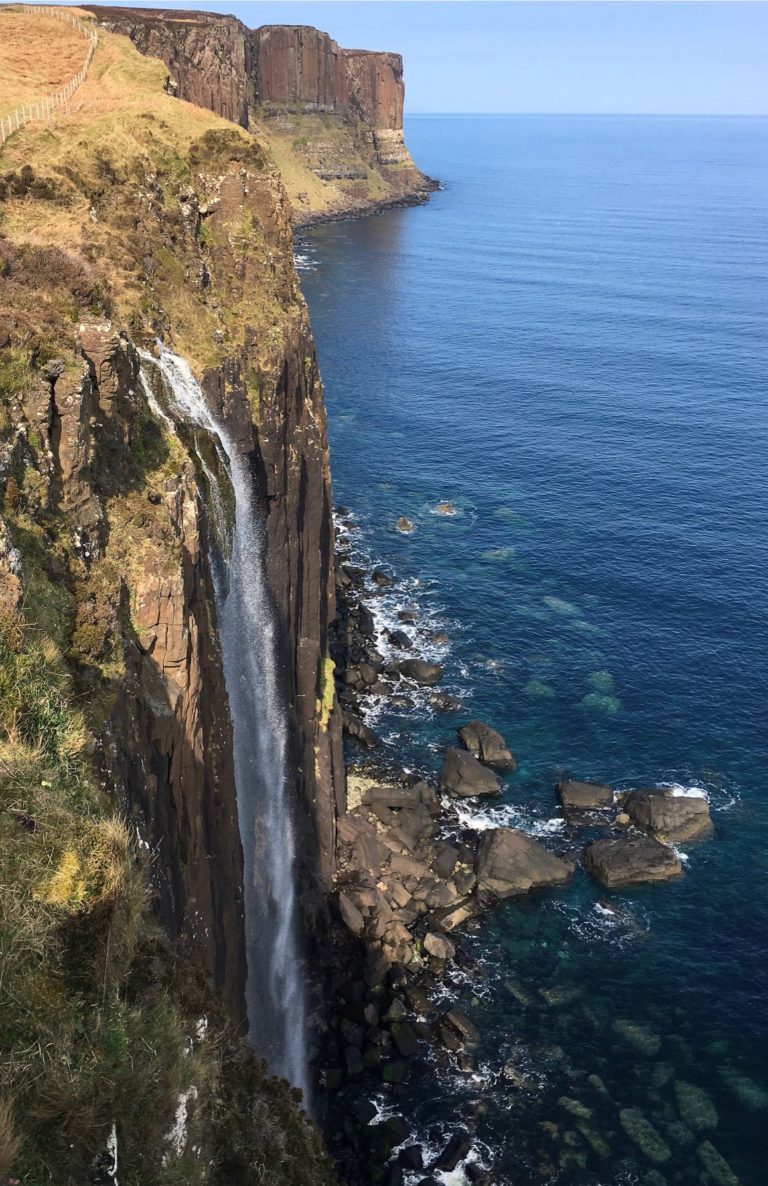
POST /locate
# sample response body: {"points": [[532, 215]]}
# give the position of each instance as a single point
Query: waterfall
{"points": [[275, 984]]}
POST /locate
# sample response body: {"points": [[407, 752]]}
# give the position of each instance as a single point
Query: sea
{"points": [[557, 370]]}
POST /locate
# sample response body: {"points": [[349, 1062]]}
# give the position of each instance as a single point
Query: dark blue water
{"points": [[568, 344]]}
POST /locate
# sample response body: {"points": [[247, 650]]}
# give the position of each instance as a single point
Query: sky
{"points": [[689, 57]]}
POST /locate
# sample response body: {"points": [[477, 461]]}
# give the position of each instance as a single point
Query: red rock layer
{"points": [[216, 62]]}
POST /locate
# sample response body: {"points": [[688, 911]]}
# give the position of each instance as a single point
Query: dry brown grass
{"points": [[9, 1142], [38, 55], [120, 120]]}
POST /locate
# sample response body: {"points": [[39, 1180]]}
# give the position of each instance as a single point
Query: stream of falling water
{"points": [[275, 987]]}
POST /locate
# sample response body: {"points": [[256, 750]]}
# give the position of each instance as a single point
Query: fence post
{"points": [[44, 106]]}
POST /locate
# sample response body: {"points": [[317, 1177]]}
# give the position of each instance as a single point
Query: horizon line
{"points": [[598, 114]]}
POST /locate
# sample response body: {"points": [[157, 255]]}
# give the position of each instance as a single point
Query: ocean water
{"points": [[568, 345]]}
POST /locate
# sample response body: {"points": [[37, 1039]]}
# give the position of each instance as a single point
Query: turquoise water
{"points": [[568, 345]]}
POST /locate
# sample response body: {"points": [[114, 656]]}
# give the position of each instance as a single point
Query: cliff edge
{"points": [[332, 117], [126, 217]]}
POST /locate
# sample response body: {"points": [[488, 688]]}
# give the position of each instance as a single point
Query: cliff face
{"points": [[134, 217], [333, 117], [138, 575]]}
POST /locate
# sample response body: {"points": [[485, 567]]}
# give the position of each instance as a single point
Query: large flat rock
{"points": [[464, 777], [508, 862], [575, 795], [617, 863], [667, 816]]}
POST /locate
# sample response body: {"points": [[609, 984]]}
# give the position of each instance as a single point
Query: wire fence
{"points": [[45, 107]]}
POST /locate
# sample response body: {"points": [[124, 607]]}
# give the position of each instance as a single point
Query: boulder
{"points": [[668, 817], [644, 1135], [405, 1039], [583, 796], [358, 731], [401, 640], [438, 946], [382, 579], [464, 777], [716, 1166], [445, 860], [509, 862], [466, 1030], [411, 1157], [405, 525], [455, 1151], [351, 916], [631, 862], [488, 746], [366, 622], [392, 795], [421, 671]]}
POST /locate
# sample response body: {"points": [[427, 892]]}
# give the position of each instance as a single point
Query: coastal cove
{"points": [[565, 346]]}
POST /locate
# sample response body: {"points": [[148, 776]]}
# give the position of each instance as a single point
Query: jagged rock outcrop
{"points": [[337, 113]]}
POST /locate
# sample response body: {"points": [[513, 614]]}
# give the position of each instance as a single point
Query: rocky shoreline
{"points": [[366, 207], [409, 876]]}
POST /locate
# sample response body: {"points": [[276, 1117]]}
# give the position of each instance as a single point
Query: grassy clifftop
{"points": [[134, 215]]}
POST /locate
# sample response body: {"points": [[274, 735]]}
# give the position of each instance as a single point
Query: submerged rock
{"points": [[644, 1135], [747, 1092], [464, 777], [488, 746], [715, 1165], [668, 817], [575, 1108], [421, 671], [405, 525], [695, 1106], [639, 1037], [583, 796], [594, 1139], [508, 862], [631, 862]]}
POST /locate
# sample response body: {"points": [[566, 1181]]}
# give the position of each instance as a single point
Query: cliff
{"points": [[131, 217], [333, 117]]}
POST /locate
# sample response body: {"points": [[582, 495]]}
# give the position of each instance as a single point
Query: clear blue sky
{"points": [[608, 57]]}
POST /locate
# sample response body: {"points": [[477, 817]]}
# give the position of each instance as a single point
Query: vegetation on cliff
{"points": [[133, 216]]}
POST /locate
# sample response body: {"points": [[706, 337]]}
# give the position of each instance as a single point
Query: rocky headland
{"points": [[332, 117]]}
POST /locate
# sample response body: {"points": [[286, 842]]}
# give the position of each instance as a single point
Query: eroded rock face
{"points": [[508, 862], [142, 591], [617, 863], [216, 62], [668, 817], [129, 508], [207, 54]]}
